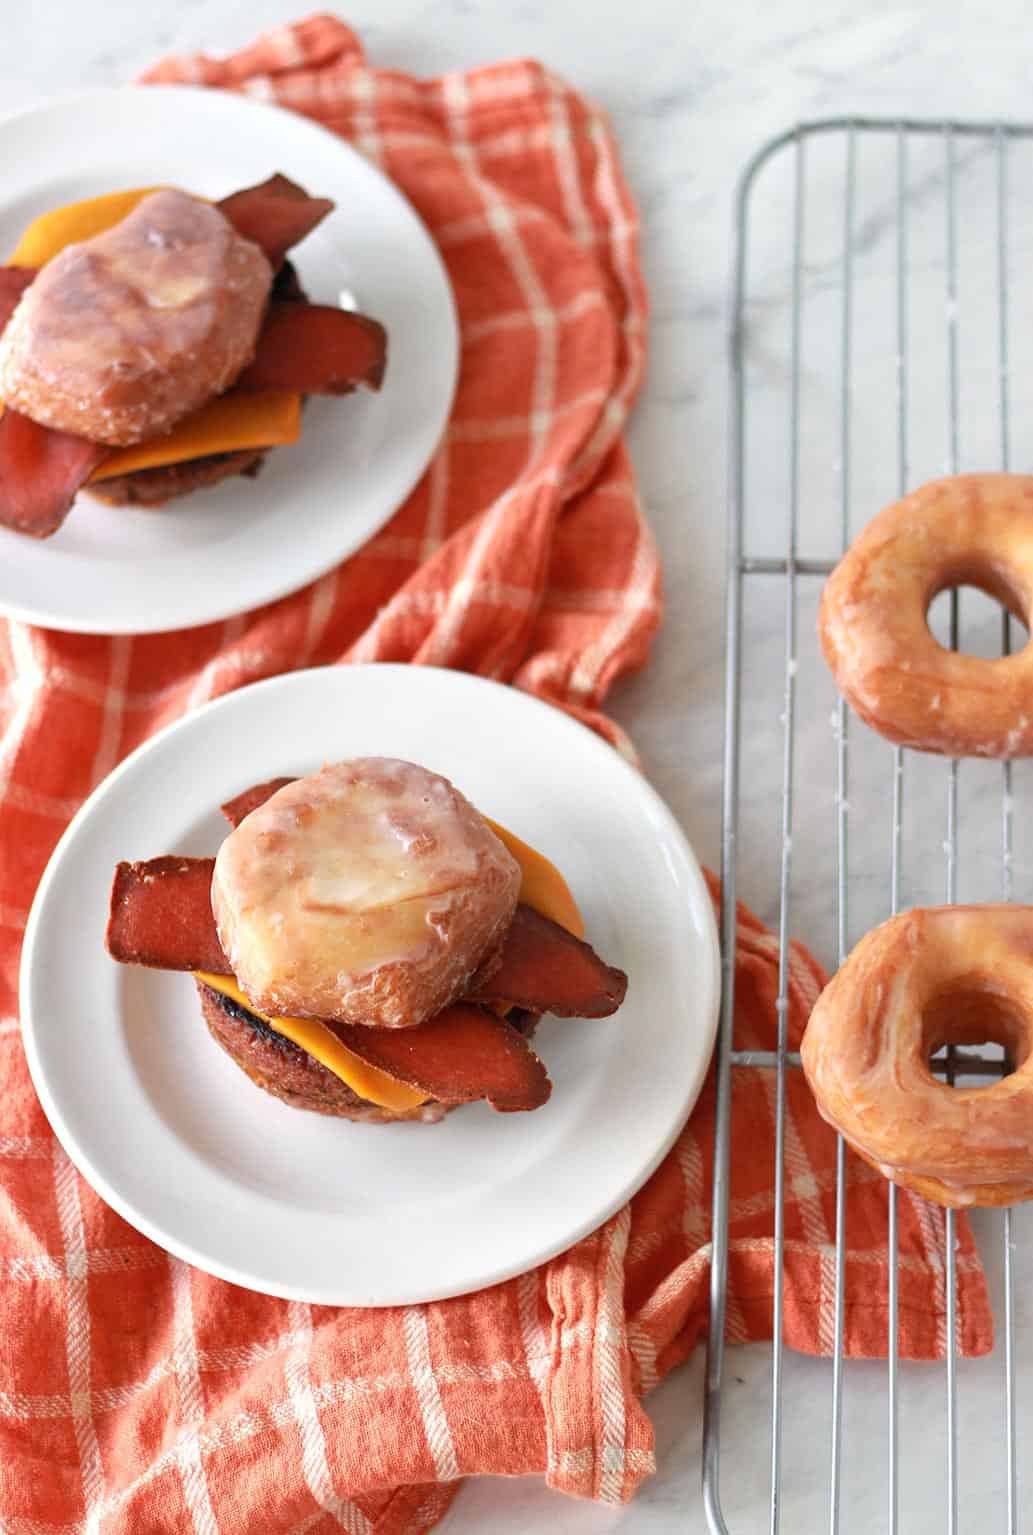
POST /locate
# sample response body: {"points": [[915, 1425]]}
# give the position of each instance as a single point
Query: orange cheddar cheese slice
{"points": [[542, 885], [225, 425], [322, 1043], [52, 231], [228, 424]]}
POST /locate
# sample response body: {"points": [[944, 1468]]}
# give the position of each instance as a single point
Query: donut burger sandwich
{"points": [[153, 343], [367, 944]]}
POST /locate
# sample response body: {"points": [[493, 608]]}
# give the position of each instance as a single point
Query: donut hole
{"points": [[987, 590], [975, 1015]]}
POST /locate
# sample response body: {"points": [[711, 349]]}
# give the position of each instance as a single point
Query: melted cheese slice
{"points": [[52, 231], [365, 1080], [542, 886], [224, 425]]}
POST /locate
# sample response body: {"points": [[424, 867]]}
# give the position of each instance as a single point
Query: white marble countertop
{"points": [[693, 90]]}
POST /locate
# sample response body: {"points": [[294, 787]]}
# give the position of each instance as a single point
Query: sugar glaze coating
{"points": [[969, 530], [368, 892], [925, 978], [122, 335]]}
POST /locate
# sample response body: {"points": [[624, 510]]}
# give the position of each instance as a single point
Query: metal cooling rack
{"points": [[920, 172]]}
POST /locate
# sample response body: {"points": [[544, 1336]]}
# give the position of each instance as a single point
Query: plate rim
{"points": [[708, 1013], [39, 613]]}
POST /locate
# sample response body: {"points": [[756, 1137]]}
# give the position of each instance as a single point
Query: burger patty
{"points": [[289, 1073], [153, 487]]}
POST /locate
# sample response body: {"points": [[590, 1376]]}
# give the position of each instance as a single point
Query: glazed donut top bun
{"points": [[121, 335], [367, 893]]}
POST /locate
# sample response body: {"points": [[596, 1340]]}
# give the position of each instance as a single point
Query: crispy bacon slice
{"points": [[315, 349], [275, 214], [546, 969], [461, 1054], [161, 916], [13, 282], [40, 472], [240, 805]]}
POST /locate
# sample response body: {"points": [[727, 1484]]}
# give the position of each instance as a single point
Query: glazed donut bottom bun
{"points": [[941, 975]]}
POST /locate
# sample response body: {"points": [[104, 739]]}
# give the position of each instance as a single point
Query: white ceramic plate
{"points": [[177, 1139], [123, 570]]}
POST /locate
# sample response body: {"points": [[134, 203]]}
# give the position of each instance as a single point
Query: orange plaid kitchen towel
{"points": [[137, 1394]]}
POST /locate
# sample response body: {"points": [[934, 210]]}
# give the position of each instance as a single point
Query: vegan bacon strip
{"points": [[315, 349], [275, 214], [40, 472], [242, 804], [13, 282], [462, 1054], [40, 469], [161, 916], [545, 969]]}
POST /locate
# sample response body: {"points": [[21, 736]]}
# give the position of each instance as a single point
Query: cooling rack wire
{"points": [[867, 255]]}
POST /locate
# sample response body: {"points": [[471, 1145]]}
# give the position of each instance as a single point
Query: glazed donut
{"points": [[930, 977], [369, 892], [971, 530], [123, 334]]}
